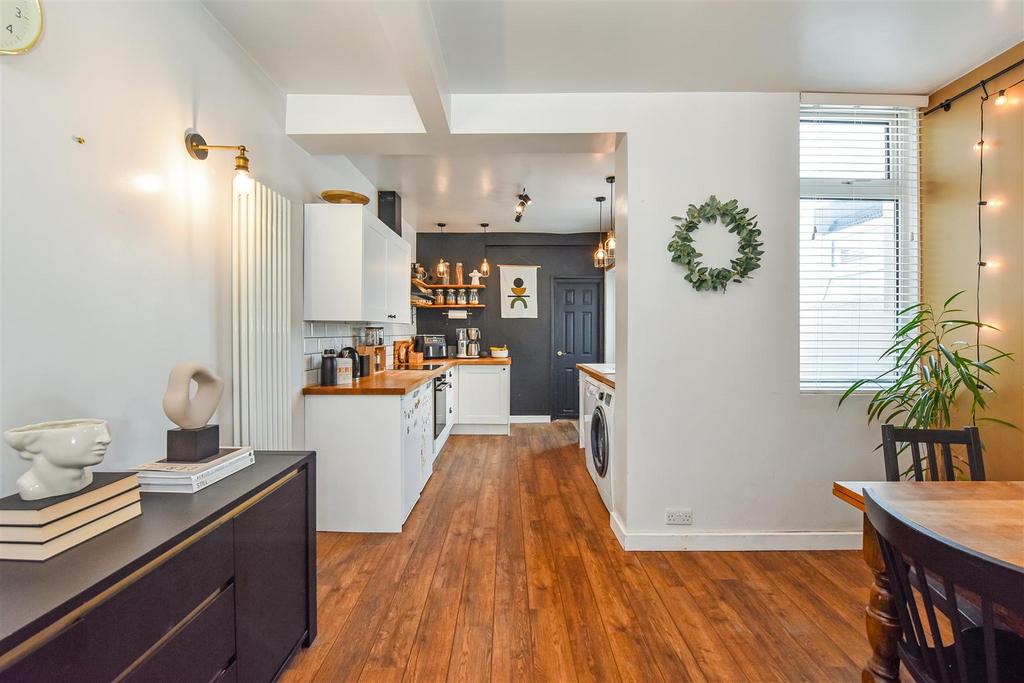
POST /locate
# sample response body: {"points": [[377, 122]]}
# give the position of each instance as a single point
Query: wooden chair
{"points": [[969, 437], [983, 652]]}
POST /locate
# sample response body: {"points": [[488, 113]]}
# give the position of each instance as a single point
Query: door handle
{"points": [[559, 353]]}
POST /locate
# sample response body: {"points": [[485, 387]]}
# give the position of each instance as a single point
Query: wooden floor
{"points": [[507, 570]]}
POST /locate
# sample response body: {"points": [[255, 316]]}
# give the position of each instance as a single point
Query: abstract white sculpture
{"points": [[475, 278], [60, 451], [194, 412]]}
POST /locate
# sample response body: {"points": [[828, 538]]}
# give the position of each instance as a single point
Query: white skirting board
{"points": [[529, 419], [502, 430], [758, 540]]}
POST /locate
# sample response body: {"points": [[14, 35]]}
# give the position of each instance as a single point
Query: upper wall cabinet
{"points": [[356, 268]]}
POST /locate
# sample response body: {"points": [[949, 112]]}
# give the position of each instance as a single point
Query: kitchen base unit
{"points": [[374, 454], [482, 406]]}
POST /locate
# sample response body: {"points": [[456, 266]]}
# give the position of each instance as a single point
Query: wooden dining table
{"points": [[984, 516]]}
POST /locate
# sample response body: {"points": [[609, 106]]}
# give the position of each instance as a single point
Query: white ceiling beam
{"points": [[412, 34], [352, 115]]}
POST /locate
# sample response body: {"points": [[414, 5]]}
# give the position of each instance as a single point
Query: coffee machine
{"points": [[462, 342], [467, 342]]}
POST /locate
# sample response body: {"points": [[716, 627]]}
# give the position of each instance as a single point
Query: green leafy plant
{"points": [[931, 373], [735, 220]]}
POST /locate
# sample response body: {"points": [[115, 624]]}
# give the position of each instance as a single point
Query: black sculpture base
{"points": [[193, 445]]}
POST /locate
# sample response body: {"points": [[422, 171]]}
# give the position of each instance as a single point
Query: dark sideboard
{"points": [[218, 585]]}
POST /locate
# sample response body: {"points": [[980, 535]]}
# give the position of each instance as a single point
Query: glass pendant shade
{"points": [[485, 268], [442, 268], [609, 245]]}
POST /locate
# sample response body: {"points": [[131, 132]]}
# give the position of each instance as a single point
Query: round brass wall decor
{"points": [[344, 197]]}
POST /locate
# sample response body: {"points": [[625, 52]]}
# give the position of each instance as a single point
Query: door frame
{"points": [[555, 279]]}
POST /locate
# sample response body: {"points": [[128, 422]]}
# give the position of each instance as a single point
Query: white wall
{"points": [[708, 413], [106, 286]]}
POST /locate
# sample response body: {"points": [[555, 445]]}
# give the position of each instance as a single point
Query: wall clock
{"points": [[21, 24]]}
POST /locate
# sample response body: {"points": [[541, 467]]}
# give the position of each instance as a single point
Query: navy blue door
{"points": [[576, 325]]}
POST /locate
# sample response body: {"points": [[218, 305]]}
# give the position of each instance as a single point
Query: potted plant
{"points": [[931, 373]]}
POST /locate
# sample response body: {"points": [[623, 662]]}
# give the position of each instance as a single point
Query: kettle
{"points": [[329, 369]]}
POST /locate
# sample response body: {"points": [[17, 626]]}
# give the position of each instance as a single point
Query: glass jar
{"points": [[474, 296], [451, 296], [439, 297], [461, 297]]}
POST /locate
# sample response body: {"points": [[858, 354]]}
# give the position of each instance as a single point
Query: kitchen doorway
{"points": [[577, 330]]}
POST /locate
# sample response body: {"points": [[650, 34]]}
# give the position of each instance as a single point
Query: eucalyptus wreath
{"points": [[735, 219]]}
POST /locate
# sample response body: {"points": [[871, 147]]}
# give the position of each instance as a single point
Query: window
{"points": [[858, 238]]}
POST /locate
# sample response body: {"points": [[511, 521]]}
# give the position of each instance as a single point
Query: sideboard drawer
{"points": [[123, 628], [200, 651]]}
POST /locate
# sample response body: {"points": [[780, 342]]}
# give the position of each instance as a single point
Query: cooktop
{"points": [[427, 366]]}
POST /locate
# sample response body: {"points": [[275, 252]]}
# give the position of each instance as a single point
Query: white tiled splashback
{"points": [[317, 336]]}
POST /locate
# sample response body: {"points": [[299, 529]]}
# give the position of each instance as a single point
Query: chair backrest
{"points": [[893, 437], [911, 552]]}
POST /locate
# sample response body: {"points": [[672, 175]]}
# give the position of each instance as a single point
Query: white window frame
{"points": [[901, 185]]}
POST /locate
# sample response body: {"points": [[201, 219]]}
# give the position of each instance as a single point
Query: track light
{"points": [[524, 201]]}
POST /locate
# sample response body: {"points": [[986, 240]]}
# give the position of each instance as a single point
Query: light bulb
{"points": [[242, 184], [610, 244], [1001, 99], [485, 268]]}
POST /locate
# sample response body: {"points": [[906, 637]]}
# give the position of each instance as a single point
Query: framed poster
{"points": [[518, 291]]}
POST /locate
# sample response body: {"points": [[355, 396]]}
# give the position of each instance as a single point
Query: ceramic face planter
{"points": [[60, 451]]}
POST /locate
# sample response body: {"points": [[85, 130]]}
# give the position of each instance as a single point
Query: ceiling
{"points": [[339, 46], [466, 190], [359, 47], [332, 47]]}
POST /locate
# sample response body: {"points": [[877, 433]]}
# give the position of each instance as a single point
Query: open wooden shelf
{"points": [[421, 283], [449, 305]]}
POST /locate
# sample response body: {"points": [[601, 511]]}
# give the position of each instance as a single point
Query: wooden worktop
{"points": [[398, 382], [599, 376]]}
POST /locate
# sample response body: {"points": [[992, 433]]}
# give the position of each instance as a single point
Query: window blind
{"points": [[859, 262]]}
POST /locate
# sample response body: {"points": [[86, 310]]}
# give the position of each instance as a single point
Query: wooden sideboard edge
{"points": [[49, 632]]}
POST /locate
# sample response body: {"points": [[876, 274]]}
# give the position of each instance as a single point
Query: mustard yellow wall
{"points": [[949, 196]]}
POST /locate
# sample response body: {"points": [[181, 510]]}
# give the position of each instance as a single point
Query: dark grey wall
{"points": [[528, 339]]}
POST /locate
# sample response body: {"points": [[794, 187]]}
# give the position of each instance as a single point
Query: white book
{"points": [[193, 484], [185, 471]]}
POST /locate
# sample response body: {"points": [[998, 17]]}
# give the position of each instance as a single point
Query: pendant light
{"points": [[485, 267], [442, 265], [600, 255], [609, 244]]}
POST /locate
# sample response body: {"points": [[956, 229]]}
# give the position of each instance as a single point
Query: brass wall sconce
{"points": [[198, 149]]}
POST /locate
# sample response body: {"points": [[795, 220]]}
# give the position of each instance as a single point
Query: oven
{"points": [[444, 401]]}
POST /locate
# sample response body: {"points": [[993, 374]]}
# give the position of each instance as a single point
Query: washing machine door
{"points": [[599, 443]]}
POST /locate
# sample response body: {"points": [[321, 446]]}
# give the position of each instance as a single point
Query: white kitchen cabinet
{"points": [[483, 399], [373, 457], [397, 297], [355, 268]]}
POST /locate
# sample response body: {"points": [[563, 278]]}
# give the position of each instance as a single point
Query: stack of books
{"points": [[164, 476], [36, 530]]}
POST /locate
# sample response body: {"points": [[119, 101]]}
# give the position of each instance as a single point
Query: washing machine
{"points": [[598, 425]]}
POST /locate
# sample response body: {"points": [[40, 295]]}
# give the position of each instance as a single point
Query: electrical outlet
{"points": [[680, 516]]}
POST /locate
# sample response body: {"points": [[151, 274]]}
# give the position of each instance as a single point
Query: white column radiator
{"points": [[260, 316]]}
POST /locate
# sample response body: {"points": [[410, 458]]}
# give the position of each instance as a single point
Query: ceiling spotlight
{"points": [[525, 197]]}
